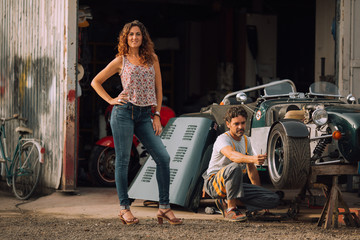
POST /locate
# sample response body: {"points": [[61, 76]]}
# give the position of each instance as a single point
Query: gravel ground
{"points": [[32, 226]]}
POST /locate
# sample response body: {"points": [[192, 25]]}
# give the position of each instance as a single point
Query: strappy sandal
{"points": [[133, 220], [162, 215]]}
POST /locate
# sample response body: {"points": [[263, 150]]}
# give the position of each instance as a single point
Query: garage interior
{"points": [[206, 49]]}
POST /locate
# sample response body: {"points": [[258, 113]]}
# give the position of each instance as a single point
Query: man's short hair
{"points": [[234, 112]]}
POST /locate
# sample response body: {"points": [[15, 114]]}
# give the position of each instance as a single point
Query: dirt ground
{"points": [[34, 226], [29, 220]]}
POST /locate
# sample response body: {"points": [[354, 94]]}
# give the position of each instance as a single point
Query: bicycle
{"points": [[22, 171]]}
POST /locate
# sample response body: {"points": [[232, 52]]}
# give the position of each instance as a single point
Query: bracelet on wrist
{"points": [[157, 114]]}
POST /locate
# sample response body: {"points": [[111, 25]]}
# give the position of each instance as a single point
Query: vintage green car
{"points": [[297, 130]]}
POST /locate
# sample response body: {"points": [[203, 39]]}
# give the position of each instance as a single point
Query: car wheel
{"points": [[288, 159], [102, 166]]}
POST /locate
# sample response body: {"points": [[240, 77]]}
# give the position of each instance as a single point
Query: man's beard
{"points": [[240, 133]]}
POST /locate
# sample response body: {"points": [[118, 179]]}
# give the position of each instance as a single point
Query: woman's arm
{"points": [[113, 67], [159, 95], [158, 83]]}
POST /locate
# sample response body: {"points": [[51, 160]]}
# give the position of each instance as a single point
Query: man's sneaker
{"points": [[234, 215], [221, 205]]}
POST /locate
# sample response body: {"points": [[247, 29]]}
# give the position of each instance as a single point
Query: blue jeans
{"points": [[127, 120]]}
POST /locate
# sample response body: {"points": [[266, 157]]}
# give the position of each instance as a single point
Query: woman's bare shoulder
{"points": [[117, 63], [118, 59], [155, 57]]}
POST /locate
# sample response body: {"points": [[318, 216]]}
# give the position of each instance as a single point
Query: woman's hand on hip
{"points": [[157, 125], [119, 100]]}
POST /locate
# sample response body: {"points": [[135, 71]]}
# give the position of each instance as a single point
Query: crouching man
{"points": [[232, 156]]}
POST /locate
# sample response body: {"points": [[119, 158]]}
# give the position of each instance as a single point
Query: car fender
{"points": [[293, 128], [107, 141]]}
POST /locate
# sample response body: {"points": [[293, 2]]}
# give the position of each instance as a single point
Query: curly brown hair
{"points": [[234, 112], [146, 50]]}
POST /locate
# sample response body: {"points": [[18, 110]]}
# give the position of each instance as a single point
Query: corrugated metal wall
{"points": [[34, 55]]}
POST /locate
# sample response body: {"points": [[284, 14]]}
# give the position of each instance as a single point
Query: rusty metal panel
{"points": [[69, 154], [34, 77]]}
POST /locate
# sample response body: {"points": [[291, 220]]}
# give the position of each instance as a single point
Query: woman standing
{"points": [[139, 69]]}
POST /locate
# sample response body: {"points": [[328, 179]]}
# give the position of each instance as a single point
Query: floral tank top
{"points": [[138, 83]]}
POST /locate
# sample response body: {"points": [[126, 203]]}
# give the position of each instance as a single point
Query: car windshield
{"points": [[324, 89], [284, 88]]}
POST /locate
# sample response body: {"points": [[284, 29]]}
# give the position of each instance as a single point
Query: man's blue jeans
{"points": [[125, 121]]}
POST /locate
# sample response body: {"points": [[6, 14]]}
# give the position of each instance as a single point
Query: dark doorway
{"points": [[200, 35]]}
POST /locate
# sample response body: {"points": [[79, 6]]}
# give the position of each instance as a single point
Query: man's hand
{"points": [[260, 159]]}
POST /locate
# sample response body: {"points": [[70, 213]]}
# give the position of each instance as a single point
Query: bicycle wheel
{"points": [[26, 170]]}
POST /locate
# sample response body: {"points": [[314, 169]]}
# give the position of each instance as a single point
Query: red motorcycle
{"points": [[102, 156]]}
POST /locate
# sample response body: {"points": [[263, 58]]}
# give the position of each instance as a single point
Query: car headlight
{"points": [[241, 97], [320, 117]]}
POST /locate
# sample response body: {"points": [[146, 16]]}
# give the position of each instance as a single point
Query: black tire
{"points": [[288, 159], [26, 170], [102, 166]]}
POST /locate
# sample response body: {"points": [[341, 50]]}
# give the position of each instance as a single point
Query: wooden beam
{"points": [[334, 170]]}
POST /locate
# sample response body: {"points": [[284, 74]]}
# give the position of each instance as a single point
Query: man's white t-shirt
{"points": [[218, 160]]}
